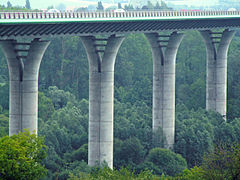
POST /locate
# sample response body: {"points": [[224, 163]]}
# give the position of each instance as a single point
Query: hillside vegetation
{"points": [[63, 108]]}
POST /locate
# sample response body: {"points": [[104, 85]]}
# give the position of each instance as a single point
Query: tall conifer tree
{"points": [[28, 6]]}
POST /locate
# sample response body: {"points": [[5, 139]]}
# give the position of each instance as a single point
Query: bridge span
{"points": [[37, 24], [102, 34]]}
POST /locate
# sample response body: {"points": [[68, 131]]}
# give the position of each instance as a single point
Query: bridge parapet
{"points": [[127, 14]]}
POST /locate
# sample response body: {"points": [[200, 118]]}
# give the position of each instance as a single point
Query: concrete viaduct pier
{"points": [[23, 77], [24, 61], [164, 61], [101, 96], [216, 89]]}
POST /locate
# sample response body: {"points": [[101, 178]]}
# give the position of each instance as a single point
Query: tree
{"points": [[194, 135], [157, 6], [195, 173], [150, 5], [9, 5], [100, 6], [119, 6], [4, 100], [164, 5], [45, 107], [109, 174], [223, 163], [21, 156], [128, 7], [28, 6], [4, 124], [131, 152], [169, 162], [60, 97], [144, 8]]}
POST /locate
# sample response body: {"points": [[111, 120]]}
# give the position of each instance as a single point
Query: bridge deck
{"points": [[44, 17], [39, 24]]}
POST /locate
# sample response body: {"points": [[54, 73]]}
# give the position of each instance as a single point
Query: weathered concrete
{"points": [[101, 89], [23, 75], [164, 61], [216, 89]]}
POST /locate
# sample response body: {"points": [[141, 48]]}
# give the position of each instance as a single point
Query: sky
{"points": [[43, 4]]}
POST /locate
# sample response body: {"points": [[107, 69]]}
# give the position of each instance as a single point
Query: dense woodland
{"points": [[63, 107]]}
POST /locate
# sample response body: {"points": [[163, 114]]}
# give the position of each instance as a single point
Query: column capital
{"points": [[102, 51]]}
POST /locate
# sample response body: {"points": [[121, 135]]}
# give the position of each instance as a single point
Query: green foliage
{"points": [[66, 133], [4, 100], [121, 174], [227, 132], [134, 54], [45, 107], [194, 134], [233, 80], [65, 59], [63, 105], [78, 155], [195, 173], [21, 156], [3, 125], [223, 163], [59, 97], [67, 128], [191, 72], [129, 152], [169, 162]]}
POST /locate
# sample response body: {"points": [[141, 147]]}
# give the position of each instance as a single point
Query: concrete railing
{"points": [[127, 14]]}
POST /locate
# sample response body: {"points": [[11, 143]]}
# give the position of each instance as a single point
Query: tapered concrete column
{"points": [[23, 77], [216, 89], [101, 88], [164, 59]]}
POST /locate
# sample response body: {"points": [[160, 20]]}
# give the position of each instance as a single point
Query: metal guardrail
{"points": [[127, 14]]}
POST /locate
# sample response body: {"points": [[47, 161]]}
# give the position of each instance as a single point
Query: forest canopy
{"points": [[63, 107]]}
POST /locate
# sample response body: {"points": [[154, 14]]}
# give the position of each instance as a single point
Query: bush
{"points": [[169, 162]]}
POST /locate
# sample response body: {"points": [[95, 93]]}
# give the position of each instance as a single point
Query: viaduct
{"points": [[24, 58]]}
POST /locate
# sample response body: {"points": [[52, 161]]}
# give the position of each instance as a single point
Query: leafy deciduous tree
{"points": [[21, 156]]}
